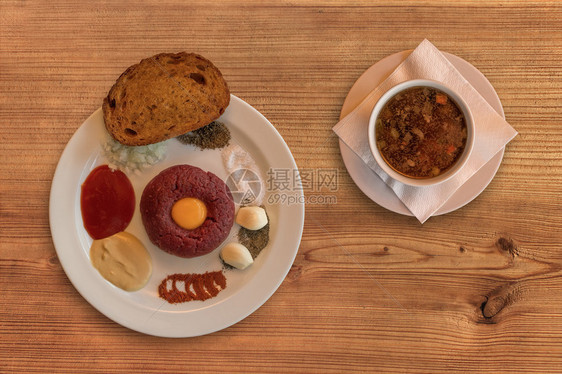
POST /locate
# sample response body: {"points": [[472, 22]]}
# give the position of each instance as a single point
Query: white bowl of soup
{"points": [[421, 132]]}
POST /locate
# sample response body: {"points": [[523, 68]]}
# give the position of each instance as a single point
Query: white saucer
{"points": [[370, 183]]}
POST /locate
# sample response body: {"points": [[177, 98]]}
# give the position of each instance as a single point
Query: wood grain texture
{"points": [[370, 290]]}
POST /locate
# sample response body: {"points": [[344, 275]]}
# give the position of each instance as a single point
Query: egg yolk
{"points": [[189, 213]]}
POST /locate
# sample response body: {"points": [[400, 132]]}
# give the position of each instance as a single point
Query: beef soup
{"points": [[421, 132]]}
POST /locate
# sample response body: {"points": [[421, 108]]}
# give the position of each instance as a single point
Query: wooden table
{"points": [[479, 289]]}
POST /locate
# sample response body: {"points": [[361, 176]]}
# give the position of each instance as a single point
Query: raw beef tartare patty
{"points": [[173, 184]]}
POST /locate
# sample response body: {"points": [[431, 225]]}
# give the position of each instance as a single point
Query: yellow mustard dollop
{"points": [[123, 260]]}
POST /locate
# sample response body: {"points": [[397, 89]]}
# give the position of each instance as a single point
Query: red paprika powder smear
{"points": [[107, 202], [180, 288]]}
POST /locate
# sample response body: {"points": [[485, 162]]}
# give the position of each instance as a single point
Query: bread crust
{"points": [[164, 96]]}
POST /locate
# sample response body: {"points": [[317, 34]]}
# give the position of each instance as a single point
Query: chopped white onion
{"points": [[133, 159]]}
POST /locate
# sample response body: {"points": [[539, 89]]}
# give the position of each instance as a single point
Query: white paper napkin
{"points": [[492, 132]]}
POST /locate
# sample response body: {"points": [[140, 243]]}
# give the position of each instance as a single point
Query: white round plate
{"points": [[143, 310], [370, 183]]}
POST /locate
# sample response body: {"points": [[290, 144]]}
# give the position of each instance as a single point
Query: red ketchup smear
{"points": [[107, 202]]}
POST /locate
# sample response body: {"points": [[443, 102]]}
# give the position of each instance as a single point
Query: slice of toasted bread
{"points": [[164, 96]]}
